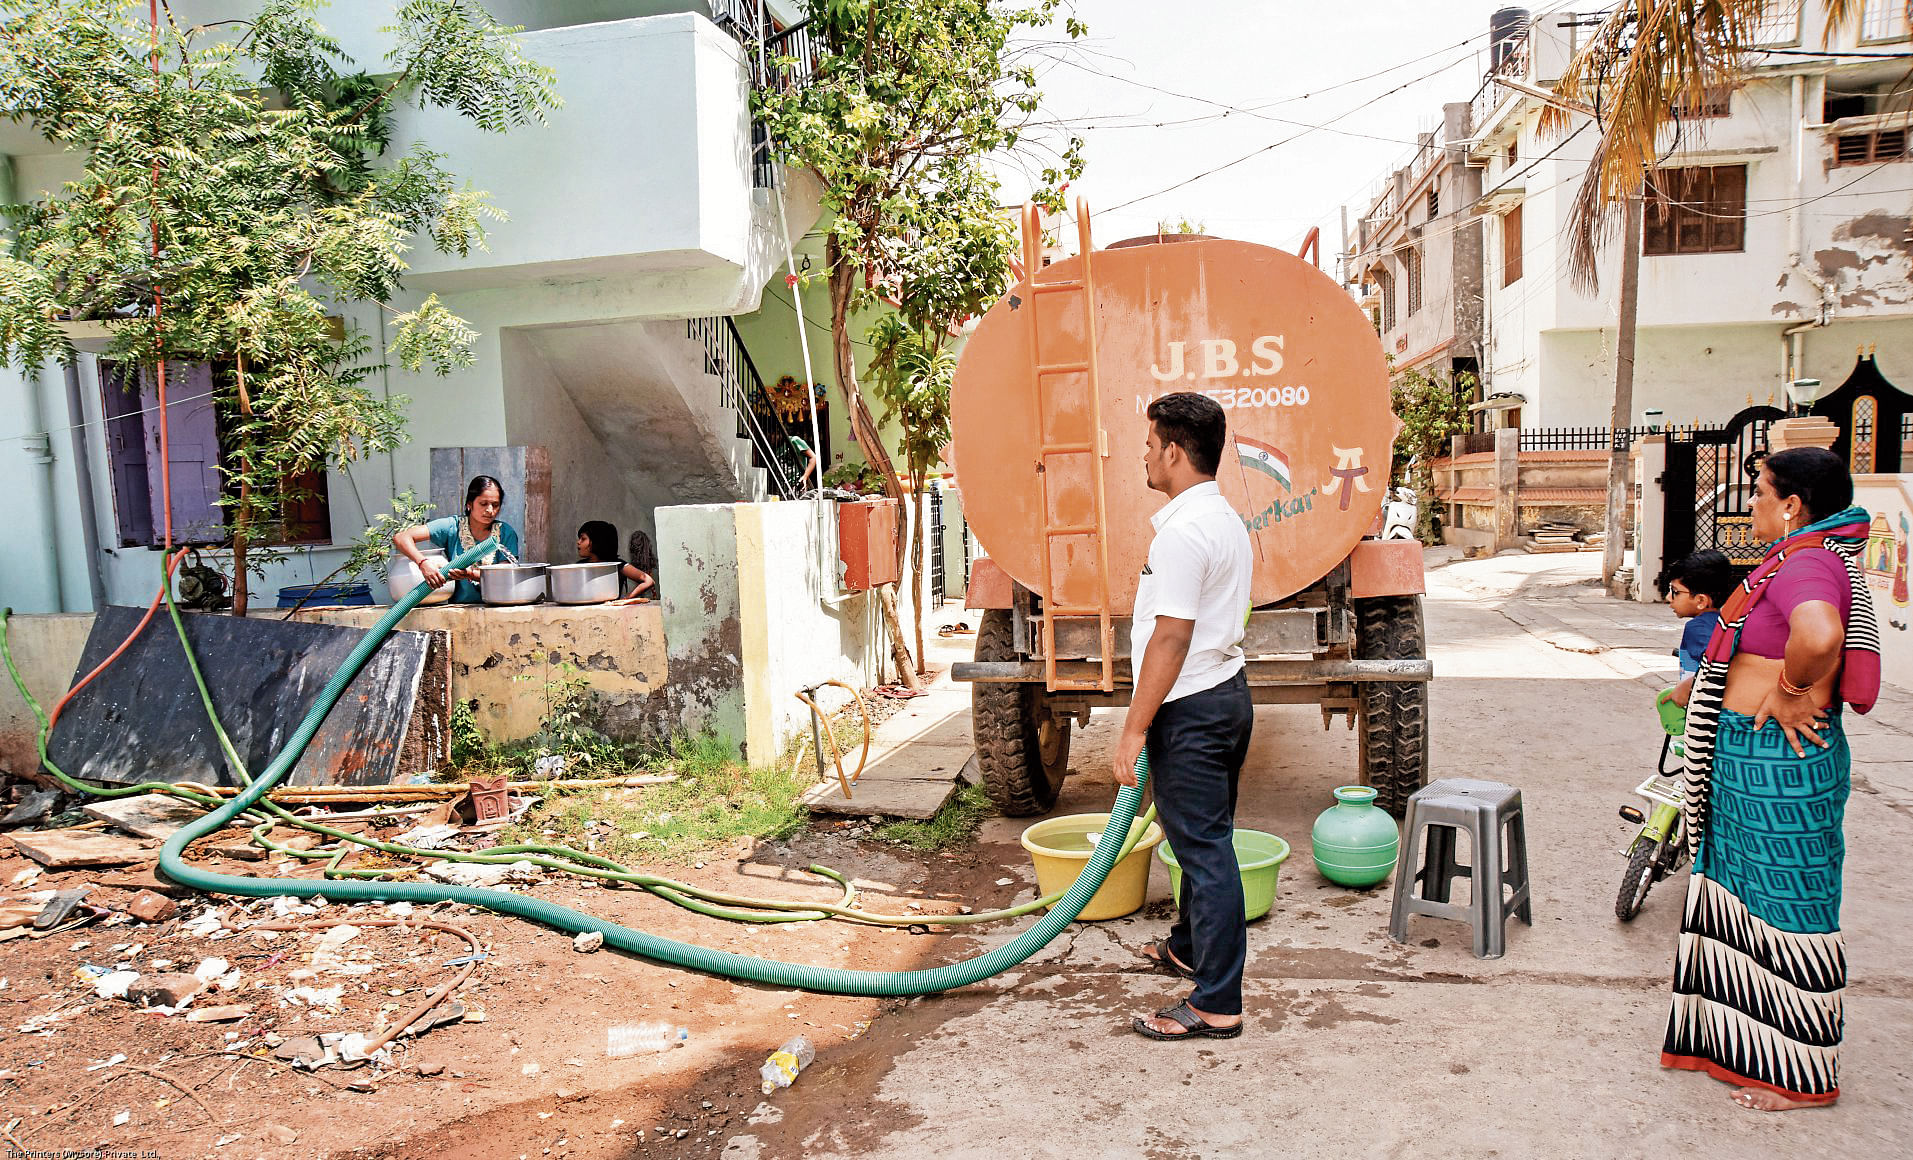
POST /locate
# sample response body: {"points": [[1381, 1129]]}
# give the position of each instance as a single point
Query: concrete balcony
{"points": [[642, 180], [646, 169]]}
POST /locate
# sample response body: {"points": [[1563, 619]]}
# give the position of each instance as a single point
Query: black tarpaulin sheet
{"points": [[142, 719]]}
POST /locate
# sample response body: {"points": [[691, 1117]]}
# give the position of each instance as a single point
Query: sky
{"points": [[1308, 55]]}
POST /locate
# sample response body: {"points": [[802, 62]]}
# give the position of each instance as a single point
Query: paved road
{"points": [[1361, 1047]]}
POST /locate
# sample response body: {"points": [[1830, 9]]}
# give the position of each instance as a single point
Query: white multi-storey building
{"points": [[641, 220], [1776, 235], [1416, 253]]}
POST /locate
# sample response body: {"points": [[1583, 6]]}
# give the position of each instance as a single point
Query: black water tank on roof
{"points": [[1505, 29]]}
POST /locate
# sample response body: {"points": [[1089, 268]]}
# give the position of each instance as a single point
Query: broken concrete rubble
{"points": [[150, 907], [168, 989], [67, 849]]}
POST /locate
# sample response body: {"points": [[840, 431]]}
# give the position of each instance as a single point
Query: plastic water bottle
{"points": [[642, 1039], [780, 1070]]}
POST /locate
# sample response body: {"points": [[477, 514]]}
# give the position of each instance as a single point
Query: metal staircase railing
{"points": [[766, 43], [741, 391]]}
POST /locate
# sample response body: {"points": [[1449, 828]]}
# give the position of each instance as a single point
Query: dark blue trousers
{"points": [[1196, 748]]}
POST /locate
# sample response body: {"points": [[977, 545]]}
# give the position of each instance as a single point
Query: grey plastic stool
{"points": [[1491, 814]]}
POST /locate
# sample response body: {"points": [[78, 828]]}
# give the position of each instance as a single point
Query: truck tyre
{"points": [[1021, 748], [1394, 725]]}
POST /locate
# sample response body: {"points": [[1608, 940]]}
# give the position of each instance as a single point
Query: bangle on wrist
{"points": [[1791, 689]]}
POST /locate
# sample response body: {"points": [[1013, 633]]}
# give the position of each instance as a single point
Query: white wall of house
{"points": [[1698, 374], [1824, 242], [750, 619], [635, 203]]}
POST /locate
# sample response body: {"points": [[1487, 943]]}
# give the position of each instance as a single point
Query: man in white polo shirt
{"points": [[1191, 706]]}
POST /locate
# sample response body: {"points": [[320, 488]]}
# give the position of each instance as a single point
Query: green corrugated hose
{"points": [[654, 947]]}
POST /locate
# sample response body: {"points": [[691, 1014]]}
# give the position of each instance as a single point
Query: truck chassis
{"points": [[1361, 657]]}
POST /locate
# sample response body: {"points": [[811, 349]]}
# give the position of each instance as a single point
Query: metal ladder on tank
{"points": [[1095, 449]]}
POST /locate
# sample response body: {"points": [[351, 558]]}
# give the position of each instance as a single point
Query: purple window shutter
{"points": [[126, 452], [193, 447]]}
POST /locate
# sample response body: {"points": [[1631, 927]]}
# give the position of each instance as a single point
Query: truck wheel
{"points": [[1394, 726], [1021, 748]]}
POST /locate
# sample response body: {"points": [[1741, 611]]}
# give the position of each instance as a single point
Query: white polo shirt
{"points": [[1199, 569]]}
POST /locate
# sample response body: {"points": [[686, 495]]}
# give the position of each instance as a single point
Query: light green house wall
{"points": [[770, 334]]}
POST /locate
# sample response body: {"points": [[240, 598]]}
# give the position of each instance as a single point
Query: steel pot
{"points": [[401, 576], [511, 583], [584, 583]]}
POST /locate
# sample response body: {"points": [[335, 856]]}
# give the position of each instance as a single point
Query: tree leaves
{"points": [[910, 101], [912, 373], [255, 215], [454, 55]]}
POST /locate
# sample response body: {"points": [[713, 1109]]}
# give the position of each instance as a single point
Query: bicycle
{"points": [[1660, 848]]}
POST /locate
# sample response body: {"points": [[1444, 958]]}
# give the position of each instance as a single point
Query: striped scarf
{"points": [[1844, 534]]}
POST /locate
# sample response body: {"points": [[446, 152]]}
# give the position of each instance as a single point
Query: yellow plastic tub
{"points": [[1060, 848]]}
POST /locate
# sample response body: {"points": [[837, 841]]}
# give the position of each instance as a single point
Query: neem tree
{"points": [[910, 102], [951, 270], [234, 195]]}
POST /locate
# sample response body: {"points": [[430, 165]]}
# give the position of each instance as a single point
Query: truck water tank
{"points": [[1294, 362]]}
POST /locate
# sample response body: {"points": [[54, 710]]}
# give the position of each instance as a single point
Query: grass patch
{"points": [[845, 726], [954, 825], [715, 800]]}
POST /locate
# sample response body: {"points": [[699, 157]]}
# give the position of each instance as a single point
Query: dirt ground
{"points": [[530, 1077], [1358, 1045]]}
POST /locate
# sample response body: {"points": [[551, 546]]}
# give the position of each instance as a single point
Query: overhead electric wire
{"points": [[1255, 111], [1311, 128]]}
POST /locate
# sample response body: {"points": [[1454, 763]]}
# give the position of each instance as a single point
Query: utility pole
{"points": [[1617, 491]]}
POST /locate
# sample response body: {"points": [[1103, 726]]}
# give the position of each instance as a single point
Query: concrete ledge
{"points": [[502, 658]]}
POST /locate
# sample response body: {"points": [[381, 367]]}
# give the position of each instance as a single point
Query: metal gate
{"points": [[1709, 488], [936, 546], [963, 520]]}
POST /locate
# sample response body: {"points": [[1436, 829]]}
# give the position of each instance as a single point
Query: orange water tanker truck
{"points": [[1048, 428]]}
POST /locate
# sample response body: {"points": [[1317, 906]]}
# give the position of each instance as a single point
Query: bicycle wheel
{"points": [[1641, 860]]}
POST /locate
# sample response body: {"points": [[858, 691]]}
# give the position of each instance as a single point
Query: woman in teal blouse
{"points": [[455, 534]]}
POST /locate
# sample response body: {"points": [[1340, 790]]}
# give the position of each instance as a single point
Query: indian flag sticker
{"points": [[1264, 459]]}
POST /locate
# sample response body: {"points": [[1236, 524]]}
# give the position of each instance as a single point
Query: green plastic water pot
{"points": [[1354, 840]]}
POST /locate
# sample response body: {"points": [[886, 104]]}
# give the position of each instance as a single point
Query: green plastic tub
{"points": [[1258, 855]]}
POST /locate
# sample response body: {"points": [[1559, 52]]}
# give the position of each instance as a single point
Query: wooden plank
{"points": [[534, 535], [142, 719], [65, 849]]}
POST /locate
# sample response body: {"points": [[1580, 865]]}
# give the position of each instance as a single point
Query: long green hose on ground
{"points": [[565, 859], [1115, 838]]}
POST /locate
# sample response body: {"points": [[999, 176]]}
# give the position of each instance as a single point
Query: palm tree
{"points": [[1647, 58]]}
